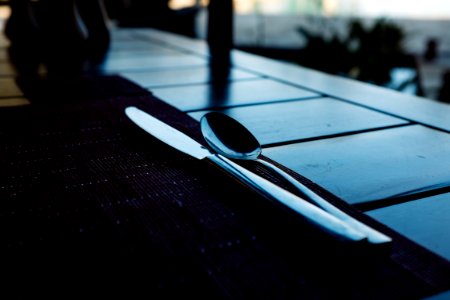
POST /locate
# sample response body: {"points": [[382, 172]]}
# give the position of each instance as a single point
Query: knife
{"points": [[187, 145]]}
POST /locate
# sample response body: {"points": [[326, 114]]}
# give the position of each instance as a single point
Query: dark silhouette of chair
{"points": [[48, 32]]}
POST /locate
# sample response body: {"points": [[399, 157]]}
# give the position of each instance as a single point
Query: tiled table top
{"points": [[421, 220], [375, 165], [237, 93], [362, 143], [302, 120]]}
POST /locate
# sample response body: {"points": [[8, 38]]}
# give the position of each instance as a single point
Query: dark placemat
{"points": [[89, 203]]}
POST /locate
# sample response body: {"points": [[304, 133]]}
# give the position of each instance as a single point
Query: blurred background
{"points": [[402, 45]]}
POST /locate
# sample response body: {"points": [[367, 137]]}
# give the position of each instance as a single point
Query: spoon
{"points": [[230, 138]]}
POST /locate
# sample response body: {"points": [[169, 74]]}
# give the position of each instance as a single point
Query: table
{"points": [[352, 138], [377, 151]]}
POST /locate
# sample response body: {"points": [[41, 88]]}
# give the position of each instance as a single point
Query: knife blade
{"points": [[187, 145]]}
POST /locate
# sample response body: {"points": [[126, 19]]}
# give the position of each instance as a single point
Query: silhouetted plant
{"points": [[366, 54]]}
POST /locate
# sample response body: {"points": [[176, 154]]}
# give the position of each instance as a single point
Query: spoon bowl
{"points": [[228, 137], [231, 139]]}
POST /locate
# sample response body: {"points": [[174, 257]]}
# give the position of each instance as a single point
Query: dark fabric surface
{"points": [[92, 206]]}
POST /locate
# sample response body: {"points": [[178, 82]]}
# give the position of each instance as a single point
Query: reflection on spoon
{"points": [[230, 138]]}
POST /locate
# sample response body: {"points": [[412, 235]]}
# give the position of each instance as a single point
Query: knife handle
{"points": [[311, 213], [373, 236]]}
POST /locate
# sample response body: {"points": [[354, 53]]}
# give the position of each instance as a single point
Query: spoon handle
{"points": [[373, 236], [310, 212]]}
